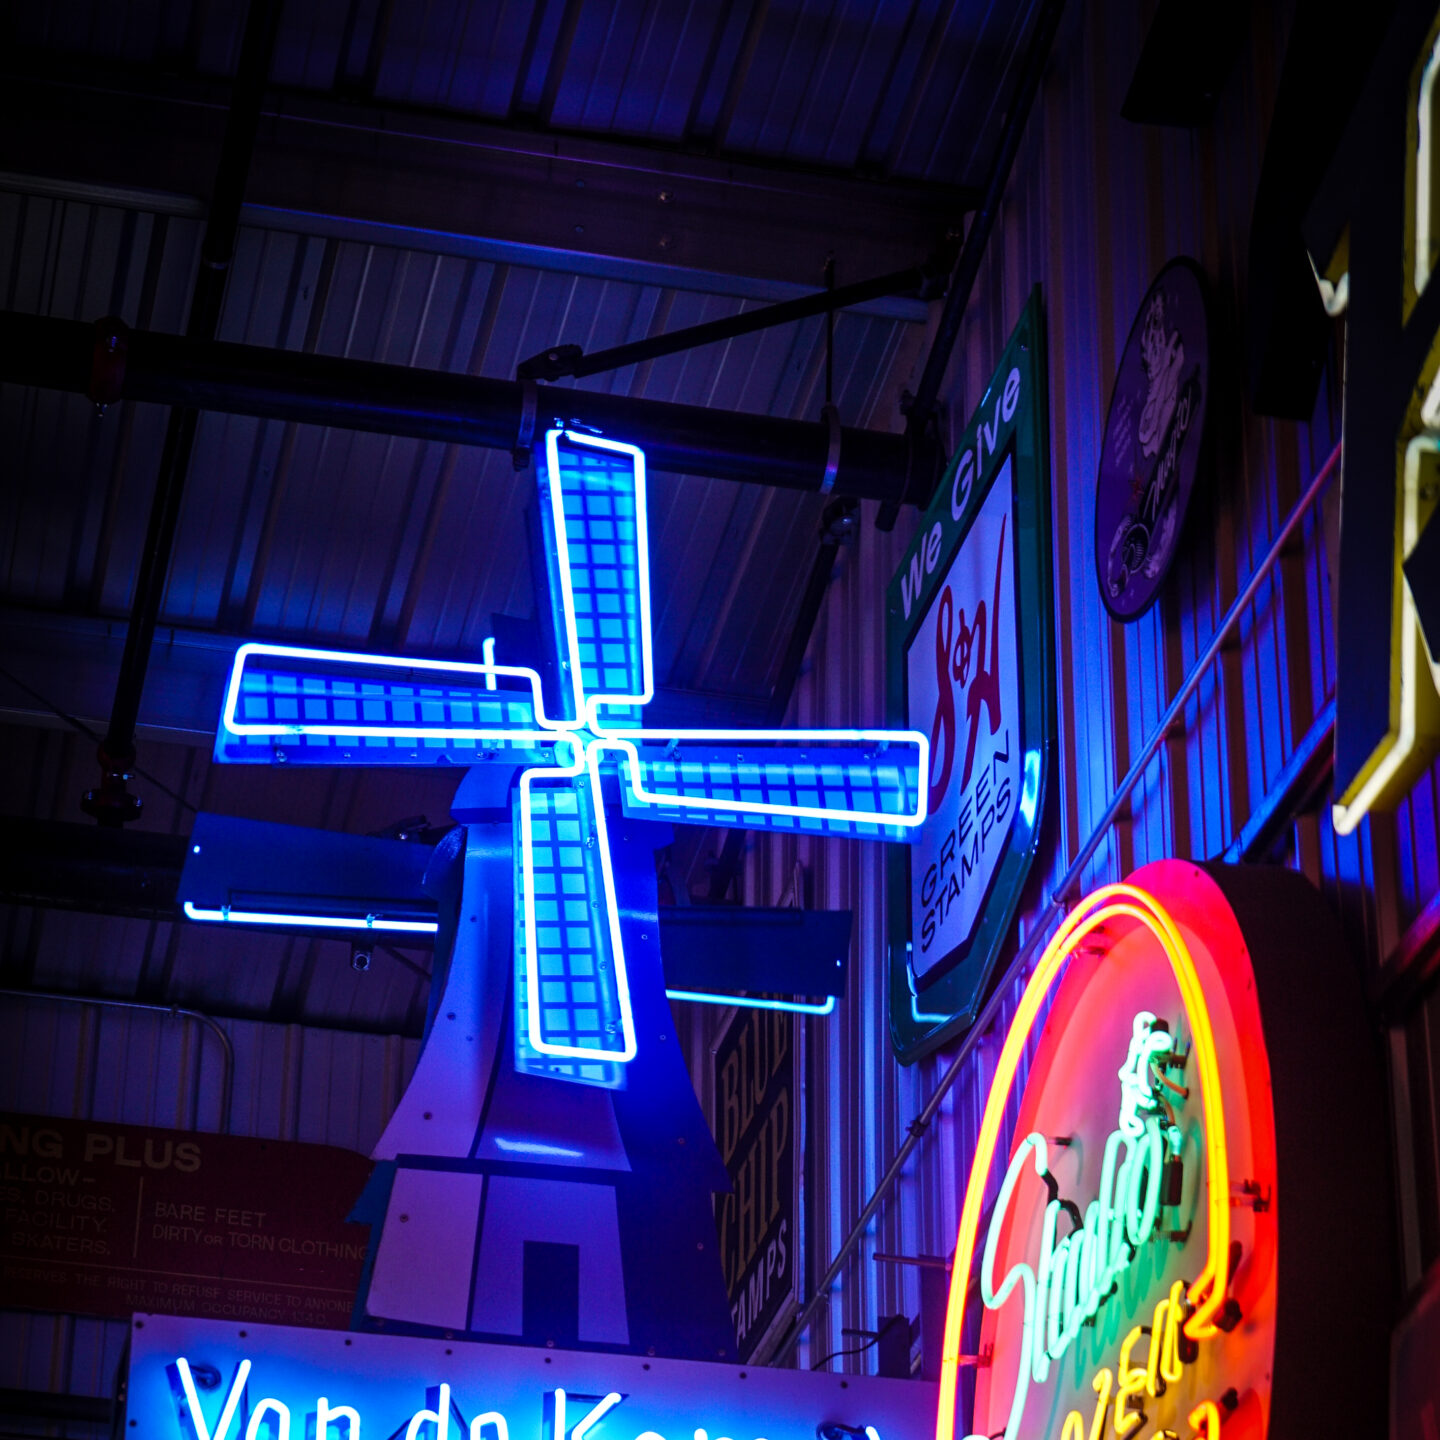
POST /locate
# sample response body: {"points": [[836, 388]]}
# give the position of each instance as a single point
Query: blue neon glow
{"points": [[747, 1002], [1030, 786], [324, 922], [598, 518], [535, 1147], [916, 1014]]}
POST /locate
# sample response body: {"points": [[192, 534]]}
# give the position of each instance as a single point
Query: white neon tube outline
{"points": [[532, 959], [331, 922], [622, 740], [197, 1415], [543, 735], [587, 707], [583, 756]]}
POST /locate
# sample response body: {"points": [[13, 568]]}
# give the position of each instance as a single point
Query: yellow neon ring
{"points": [[1207, 1293]]}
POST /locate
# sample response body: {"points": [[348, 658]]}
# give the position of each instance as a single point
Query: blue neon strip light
{"points": [[322, 922], [430, 927], [747, 1002], [574, 984]]}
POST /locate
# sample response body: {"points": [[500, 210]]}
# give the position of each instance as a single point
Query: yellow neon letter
{"points": [[1101, 1385], [1205, 1417], [1132, 1386]]}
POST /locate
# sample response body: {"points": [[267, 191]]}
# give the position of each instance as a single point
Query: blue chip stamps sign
{"points": [[970, 665], [756, 1115], [1154, 440]]}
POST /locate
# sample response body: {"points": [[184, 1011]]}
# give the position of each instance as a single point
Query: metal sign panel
{"points": [[1155, 442], [107, 1219], [209, 1380], [757, 1111], [970, 665]]}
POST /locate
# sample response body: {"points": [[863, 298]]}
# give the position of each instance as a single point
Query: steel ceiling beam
{"points": [[111, 802], [439, 405], [69, 664], [573, 198]]}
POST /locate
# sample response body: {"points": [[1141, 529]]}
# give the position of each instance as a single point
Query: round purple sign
{"points": [[1154, 440]]}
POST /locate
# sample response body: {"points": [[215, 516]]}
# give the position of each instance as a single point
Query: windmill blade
{"points": [[330, 707], [598, 553], [573, 1018], [865, 784]]}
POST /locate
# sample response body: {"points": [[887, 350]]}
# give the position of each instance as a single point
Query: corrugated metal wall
{"points": [[1095, 206]]}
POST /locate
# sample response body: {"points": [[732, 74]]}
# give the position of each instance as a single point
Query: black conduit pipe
{"points": [[457, 409], [111, 803]]}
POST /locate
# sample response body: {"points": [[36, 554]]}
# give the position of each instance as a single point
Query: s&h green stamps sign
{"points": [[969, 663]]}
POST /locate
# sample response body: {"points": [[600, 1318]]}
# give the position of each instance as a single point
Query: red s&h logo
{"points": [[972, 661]]}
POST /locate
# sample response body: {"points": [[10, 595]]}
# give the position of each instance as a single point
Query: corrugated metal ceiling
{"points": [[907, 89], [298, 531], [363, 540]]}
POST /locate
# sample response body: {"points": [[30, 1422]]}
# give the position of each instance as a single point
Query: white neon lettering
{"points": [[227, 1414], [325, 1413], [489, 1417], [440, 1415], [594, 1417], [282, 1414], [1019, 1274], [488, 1425], [1077, 1272]]}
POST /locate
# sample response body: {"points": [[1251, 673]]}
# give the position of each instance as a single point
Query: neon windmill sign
{"points": [[307, 706]]}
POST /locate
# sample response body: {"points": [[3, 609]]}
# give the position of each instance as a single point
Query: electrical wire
{"points": [[84, 729], [840, 1354]]}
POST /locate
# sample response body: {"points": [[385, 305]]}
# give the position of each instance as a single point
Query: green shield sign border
{"points": [[946, 1008]]}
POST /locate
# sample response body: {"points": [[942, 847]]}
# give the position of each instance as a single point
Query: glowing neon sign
{"points": [[1077, 1272], [209, 1380], [1159, 1184], [573, 983]]}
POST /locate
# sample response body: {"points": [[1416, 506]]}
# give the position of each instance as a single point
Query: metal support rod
{"points": [[457, 409], [836, 525], [111, 803], [830, 330], [1056, 907], [967, 266], [569, 360], [921, 406], [227, 1070]]}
